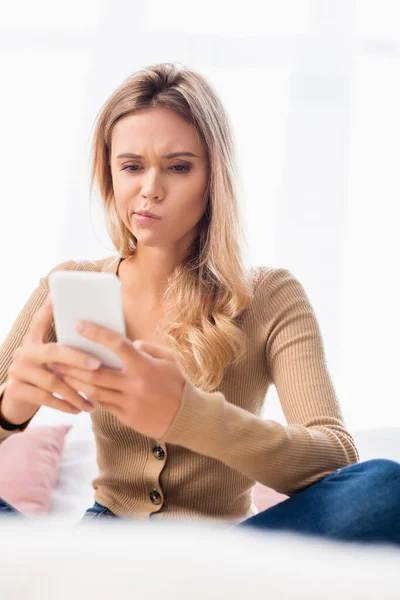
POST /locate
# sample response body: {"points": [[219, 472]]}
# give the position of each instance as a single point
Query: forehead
{"points": [[154, 130]]}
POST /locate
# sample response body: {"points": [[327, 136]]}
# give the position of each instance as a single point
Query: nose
{"points": [[151, 187]]}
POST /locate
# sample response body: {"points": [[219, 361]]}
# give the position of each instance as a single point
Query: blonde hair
{"points": [[210, 289]]}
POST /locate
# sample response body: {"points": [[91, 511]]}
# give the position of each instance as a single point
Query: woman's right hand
{"points": [[30, 378]]}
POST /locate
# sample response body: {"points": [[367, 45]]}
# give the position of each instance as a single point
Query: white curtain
{"points": [[312, 88]]}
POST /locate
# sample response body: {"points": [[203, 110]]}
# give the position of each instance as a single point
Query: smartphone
{"points": [[87, 296]]}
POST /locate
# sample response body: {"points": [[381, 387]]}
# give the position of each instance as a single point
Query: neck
{"points": [[150, 268]]}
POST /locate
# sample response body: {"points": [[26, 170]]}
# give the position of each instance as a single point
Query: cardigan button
{"points": [[158, 452], [155, 497]]}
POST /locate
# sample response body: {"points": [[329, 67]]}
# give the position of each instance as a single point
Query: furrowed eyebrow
{"points": [[171, 155]]}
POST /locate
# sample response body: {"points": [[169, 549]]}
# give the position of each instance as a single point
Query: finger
{"points": [[55, 352], [120, 345], [93, 393], [31, 394], [48, 381], [110, 379], [41, 322]]}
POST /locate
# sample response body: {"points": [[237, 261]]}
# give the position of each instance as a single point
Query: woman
{"points": [[178, 430]]}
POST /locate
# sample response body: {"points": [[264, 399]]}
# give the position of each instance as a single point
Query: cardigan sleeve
{"points": [[315, 440], [18, 330]]}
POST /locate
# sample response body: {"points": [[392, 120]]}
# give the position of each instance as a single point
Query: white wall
{"points": [[312, 89]]}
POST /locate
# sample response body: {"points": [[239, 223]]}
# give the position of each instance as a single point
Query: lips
{"points": [[141, 219], [147, 214]]}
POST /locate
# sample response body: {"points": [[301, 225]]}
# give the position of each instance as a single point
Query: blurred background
{"points": [[312, 89]]}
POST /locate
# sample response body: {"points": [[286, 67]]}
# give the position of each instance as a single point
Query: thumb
{"points": [[41, 322], [154, 350]]}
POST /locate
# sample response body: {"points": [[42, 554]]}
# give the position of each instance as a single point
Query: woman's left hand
{"points": [[145, 395]]}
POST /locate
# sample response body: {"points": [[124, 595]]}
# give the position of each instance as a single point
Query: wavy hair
{"points": [[208, 291]]}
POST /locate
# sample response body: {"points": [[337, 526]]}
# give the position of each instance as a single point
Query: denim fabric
{"points": [[97, 511], [360, 502], [9, 511]]}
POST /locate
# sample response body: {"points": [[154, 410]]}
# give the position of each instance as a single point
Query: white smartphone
{"points": [[87, 296]]}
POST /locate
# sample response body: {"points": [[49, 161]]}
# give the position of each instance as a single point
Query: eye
{"points": [[128, 167], [185, 168]]}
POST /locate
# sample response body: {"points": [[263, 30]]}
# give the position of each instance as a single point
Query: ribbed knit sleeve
{"points": [[315, 440], [18, 330]]}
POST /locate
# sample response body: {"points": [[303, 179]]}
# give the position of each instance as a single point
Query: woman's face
{"points": [[171, 187]]}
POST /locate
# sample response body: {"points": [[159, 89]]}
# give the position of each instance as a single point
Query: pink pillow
{"points": [[29, 466], [265, 497]]}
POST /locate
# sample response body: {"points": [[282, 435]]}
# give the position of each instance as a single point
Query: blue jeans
{"points": [[360, 503], [98, 511]]}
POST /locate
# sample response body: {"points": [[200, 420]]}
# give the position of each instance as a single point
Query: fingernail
{"points": [[88, 406], [93, 362]]}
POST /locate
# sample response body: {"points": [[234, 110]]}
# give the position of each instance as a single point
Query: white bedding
{"points": [[180, 562]]}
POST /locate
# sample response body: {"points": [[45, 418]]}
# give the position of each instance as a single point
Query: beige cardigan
{"points": [[218, 445]]}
